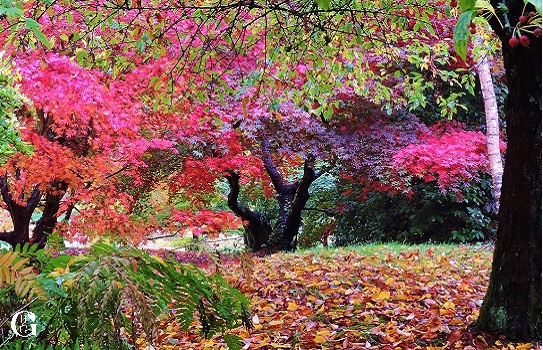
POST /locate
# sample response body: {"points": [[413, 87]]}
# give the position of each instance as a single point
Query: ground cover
{"points": [[368, 297]]}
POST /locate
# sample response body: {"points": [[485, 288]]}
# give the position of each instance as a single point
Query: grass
{"points": [[394, 249]]}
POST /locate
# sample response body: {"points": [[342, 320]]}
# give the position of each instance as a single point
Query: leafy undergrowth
{"points": [[371, 298]]}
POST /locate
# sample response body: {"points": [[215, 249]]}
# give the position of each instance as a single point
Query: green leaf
{"points": [[12, 11], [536, 3], [324, 4], [461, 33], [467, 5], [31, 23], [35, 27], [233, 341]]}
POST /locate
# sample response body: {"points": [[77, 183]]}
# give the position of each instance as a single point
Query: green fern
{"points": [[113, 294]]}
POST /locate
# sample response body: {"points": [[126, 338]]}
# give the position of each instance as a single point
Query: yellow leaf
{"points": [[292, 306], [449, 305], [321, 309], [325, 333], [18, 286], [26, 289], [382, 295], [68, 283], [319, 339], [19, 264], [159, 259], [4, 257], [390, 281], [26, 270]]}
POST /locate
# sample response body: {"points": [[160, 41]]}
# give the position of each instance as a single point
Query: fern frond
{"points": [[13, 272]]}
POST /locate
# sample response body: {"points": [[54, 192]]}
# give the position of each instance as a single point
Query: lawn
{"points": [[367, 297]]}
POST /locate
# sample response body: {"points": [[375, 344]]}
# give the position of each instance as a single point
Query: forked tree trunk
{"points": [[21, 215], [46, 224], [512, 305], [492, 123], [292, 198]]}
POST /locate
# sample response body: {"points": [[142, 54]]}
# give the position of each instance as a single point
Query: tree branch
{"points": [[271, 169]]}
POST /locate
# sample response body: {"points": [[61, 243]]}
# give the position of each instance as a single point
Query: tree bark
{"points": [[512, 305], [20, 214], [257, 226], [292, 198], [492, 123], [48, 220], [294, 219]]}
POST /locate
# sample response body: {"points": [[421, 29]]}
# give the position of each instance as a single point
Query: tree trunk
{"points": [[492, 123], [257, 226], [48, 220], [512, 305], [20, 214], [294, 219], [292, 198]]}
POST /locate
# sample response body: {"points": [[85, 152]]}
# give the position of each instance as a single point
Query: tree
{"points": [[492, 121], [86, 143], [219, 51], [319, 28], [512, 305]]}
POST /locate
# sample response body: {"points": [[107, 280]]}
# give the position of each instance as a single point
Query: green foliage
{"points": [[462, 32], [112, 296], [11, 100], [468, 106], [14, 11], [9, 303], [430, 216], [537, 5], [34, 26], [324, 4], [319, 219]]}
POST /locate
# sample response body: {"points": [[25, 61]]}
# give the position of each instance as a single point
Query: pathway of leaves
{"points": [[347, 300]]}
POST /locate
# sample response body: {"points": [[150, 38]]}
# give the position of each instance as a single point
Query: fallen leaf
{"points": [[319, 339], [292, 306]]}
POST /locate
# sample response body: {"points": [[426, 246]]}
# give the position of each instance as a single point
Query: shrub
{"points": [[319, 216], [429, 215], [111, 296]]}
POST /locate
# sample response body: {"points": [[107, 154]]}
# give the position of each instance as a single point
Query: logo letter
{"points": [[25, 314]]}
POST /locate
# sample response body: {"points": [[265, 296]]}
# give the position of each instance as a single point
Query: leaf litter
{"points": [[386, 298]]}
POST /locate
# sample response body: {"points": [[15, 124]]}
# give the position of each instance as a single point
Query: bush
{"points": [[111, 296], [429, 216], [319, 218]]}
